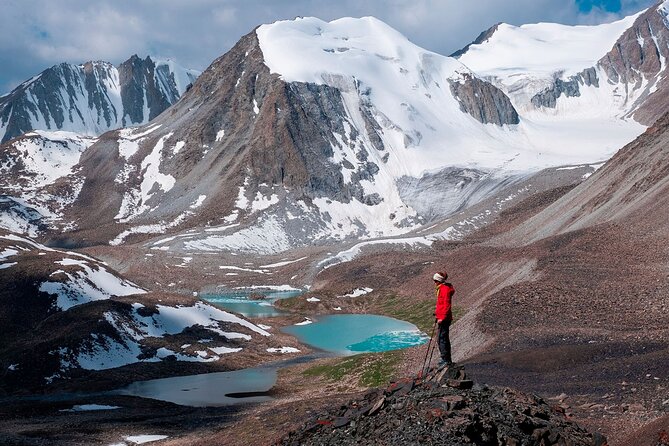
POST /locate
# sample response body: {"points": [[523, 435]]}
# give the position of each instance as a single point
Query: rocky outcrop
{"points": [[443, 408], [641, 54], [570, 88], [483, 37], [485, 102], [84, 98]]}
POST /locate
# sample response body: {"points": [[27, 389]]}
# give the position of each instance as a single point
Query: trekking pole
{"points": [[422, 369], [434, 347]]}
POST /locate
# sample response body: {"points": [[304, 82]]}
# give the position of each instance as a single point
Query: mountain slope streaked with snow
{"points": [[66, 311], [93, 97]]}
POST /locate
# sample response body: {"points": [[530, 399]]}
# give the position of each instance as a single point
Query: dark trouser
{"points": [[444, 341]]}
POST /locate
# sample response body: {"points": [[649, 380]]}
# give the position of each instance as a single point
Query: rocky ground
{"points": [[443, 408]]}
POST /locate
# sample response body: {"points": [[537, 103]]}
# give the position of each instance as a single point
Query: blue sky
{"points": [[607, 5], [36, 34]]}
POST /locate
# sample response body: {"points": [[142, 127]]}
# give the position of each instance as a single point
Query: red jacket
{"points": [[444, 292]]}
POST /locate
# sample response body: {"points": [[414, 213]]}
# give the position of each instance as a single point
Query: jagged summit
{"points": [[93, 97]]}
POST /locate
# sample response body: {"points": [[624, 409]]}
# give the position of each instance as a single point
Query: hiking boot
{"points": [[444, 363]]}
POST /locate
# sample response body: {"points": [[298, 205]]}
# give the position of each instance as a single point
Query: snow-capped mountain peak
{"points": [[371, 63], [309, 49], [93, 97], [543, 49]]}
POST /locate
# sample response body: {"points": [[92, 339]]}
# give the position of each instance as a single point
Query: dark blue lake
{"points": [[207, 390]]}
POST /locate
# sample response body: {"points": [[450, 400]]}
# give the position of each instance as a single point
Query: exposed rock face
{"points": [[443, 409], [483, 37], [485, 102], [570, 88], [93, 97], [139, 82], [640, 51]]}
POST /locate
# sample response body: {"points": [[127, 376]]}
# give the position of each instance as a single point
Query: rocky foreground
{"points": [[443, 408]]}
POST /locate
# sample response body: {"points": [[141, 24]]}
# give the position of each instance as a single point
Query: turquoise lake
{"points": [[348, 334], [239, 302]]}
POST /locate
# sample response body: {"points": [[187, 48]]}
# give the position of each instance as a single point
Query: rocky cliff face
{"points": [[570, 88], [485, 102], [93, 97], [140, 91]]}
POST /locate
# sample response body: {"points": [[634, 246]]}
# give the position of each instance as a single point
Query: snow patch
{"points": [[86, 285], [198, 202], [224, 350], [351, 253], [358, 292], [283, 263], [141, 439], [177, 147], [283, 350], [266, 238]]}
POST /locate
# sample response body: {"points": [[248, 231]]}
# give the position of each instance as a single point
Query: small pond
{"points": [[239, 302], [209, 389], [348, 334]]}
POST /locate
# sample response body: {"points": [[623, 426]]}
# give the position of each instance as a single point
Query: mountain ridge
{"points": [[93, 97], [263, 141]]}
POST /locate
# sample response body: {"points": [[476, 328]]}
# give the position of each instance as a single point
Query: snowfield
{"points": [[538, 51], [422, 125]]}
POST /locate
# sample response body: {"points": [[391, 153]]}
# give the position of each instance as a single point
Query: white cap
{"points": [[438, 277]]}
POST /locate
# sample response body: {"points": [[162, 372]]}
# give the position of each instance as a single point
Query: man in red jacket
{"points": [[444, 292]]}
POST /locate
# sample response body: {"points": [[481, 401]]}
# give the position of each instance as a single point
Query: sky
{"points": [[37, 34]]}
